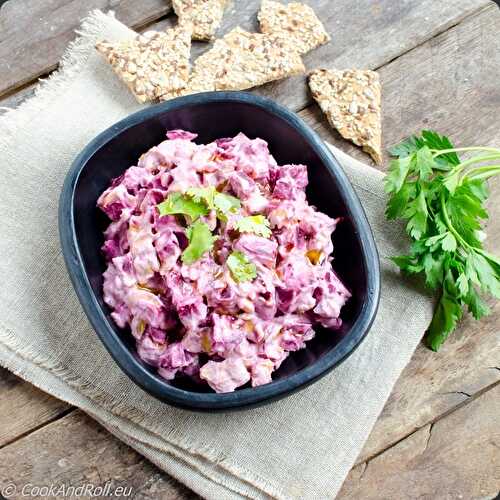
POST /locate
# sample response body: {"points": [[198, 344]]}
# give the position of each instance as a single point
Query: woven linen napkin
{"points": [[300, 447]]}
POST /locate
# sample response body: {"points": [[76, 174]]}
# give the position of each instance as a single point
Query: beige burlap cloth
{"points": [[301, 447]]}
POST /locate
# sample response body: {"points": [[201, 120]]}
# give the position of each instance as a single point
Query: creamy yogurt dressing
{"points": [[196, 318]]}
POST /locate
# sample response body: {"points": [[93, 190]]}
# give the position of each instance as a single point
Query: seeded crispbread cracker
{"points": [[252, 59], [201, 79], [296, 21], [242, 60], [205, 15], [351, 100], [151, 64]]}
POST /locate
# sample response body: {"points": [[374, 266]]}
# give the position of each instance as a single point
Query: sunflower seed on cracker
{"points": [[201, 79], [252, 59], [351, 100], [151, 64], [206, 16], [241, 60], [296, 21]]}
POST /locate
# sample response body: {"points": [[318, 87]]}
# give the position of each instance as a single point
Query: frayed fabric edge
{"points": [[74, 58]]}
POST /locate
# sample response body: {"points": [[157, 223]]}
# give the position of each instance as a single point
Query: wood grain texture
{"points": [[449, 83], [30, 48], [364, 34], [457, 457], [24, 407], [33, 35], [434, 384], [75, 451]]}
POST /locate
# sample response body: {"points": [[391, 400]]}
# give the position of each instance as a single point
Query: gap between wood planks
{"points": [[65, 412], [49, 421], [470, 399], [166, 19]]}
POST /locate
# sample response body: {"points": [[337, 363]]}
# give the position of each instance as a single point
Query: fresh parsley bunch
{"points": [[442, 197]]}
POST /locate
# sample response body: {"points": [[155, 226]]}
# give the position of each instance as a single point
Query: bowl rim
{"points": [[152, 383]]}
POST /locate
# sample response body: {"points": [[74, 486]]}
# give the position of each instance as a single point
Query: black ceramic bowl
{"points": [[214, 115]]}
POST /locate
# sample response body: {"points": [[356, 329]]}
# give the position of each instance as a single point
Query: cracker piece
{"points": [[252, 59], [201, 79], [205, 15], [351, 100], [151, 64], [242, 60], [297, 21]]}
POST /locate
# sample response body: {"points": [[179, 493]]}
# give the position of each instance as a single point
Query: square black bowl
{"points": [[214, 115]]}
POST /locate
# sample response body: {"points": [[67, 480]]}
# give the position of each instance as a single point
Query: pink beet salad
{"points": [[216, 262]]}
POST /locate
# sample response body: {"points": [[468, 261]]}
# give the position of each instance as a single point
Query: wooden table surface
{"points": [[439, 61]]}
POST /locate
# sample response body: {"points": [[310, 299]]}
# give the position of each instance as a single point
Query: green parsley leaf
{"points": [[463, 285], [398, 202], [442, 201], [405, 148], [256, 224], [444, 321], [449, 243], [425, 163], [446, 315], [451, 180], [221, 202], [202, 195], [477, 188], [477, 307], [434, 269], [179, 204], [201, 241], [398, 171], [417, 213], [487, 277], [407, 264], [226, 203], [433, 140], [242, 269]]}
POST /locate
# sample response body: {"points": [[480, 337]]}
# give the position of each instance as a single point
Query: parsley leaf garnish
{"points": [[220, 202], [256, 224], [179, 204], [200, 241], [441, 197], [242, 269]]}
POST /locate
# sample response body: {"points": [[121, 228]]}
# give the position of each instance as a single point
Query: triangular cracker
{"points": [[296, 21], [242, 60], [151, 64], [351, 100], [201, 79], [205, 15]]}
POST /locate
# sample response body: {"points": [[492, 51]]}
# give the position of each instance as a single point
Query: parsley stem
{"points": [[485, 174], [481, 172], [478, 159], [448, 223], [439, 152]]}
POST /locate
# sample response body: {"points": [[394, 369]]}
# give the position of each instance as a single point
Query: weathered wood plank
{"points": [[401, 26], [436, 383], [457, 457], [463, 366], [33, 35], [24, 407], [449, 83], [369, 34], [76, 451], [423, 89]]}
